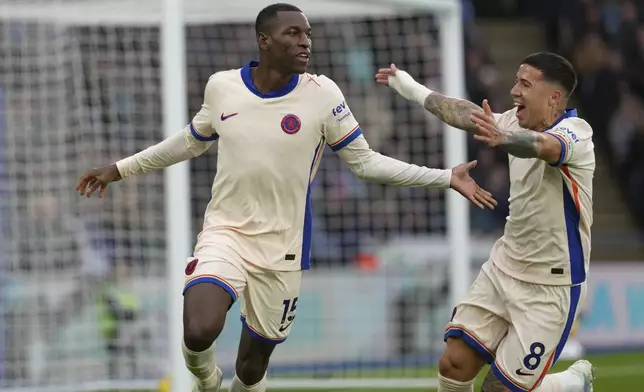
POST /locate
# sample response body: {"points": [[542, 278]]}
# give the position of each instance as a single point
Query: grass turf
{"points": [[615, 372]]}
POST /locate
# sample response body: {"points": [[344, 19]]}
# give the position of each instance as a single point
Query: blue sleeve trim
{"points": [[562, 155], [210, 279], [257, 336], [348, 139], [457, 333], [201, 138]]}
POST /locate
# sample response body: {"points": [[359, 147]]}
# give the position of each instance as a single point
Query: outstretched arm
{"points": [[179, 147], [190, 142], [453, 111], [370, 165]]}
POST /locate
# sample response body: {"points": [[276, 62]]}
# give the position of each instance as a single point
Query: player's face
{"points": [[290, 45], [535, 98]]}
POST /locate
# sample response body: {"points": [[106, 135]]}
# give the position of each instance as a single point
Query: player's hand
{"points": [[466, 186], [384, 74], [97, 178], [488, 132], [399, 80]]}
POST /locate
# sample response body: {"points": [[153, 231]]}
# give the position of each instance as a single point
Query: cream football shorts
{"points": [[520, 328], [269, 298]]}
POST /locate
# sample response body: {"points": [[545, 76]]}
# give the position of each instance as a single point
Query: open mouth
{"points": [[303, 57], [520, 108]]}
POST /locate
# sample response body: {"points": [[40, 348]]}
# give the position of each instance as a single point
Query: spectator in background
{"points": [[635, 61], [483, 77], [496, 179], [483, 81], [610, 61], [598, 88], [633, 164], [118, 308], [622, 127], [625, 38]]}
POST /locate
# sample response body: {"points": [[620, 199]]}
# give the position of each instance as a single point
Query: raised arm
{"points": [[521, 143], [453, 111], [190, 142]]}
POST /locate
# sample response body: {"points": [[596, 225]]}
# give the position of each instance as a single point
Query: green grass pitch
{"points": [[615, 373]]}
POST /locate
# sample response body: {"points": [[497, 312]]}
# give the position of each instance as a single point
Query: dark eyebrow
{"points": [[524, 80], [298, 28]]}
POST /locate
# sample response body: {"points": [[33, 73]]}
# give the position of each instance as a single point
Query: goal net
{"points": [[84, 297]]}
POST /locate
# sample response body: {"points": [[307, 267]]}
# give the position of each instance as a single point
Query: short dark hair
{"points": [[266, 16], [554, 68]]}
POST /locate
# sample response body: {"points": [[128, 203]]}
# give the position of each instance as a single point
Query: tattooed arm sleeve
{"points": [[452, 111]]}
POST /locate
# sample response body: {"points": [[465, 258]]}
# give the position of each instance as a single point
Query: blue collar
{"points": [[248, 81], [567, 114]]}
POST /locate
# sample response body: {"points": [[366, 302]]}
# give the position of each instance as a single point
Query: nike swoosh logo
{"points": [[284, 327], [520, 372], [226, 117]]}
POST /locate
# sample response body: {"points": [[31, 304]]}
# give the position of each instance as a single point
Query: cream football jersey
{"points": [[547, 234], [269, 148]]}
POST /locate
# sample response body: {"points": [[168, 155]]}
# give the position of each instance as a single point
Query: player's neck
{"points": [[267, 80], [549, 122]]}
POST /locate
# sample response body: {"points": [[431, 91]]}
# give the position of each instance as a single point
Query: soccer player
{"points": [[523, 304], [272, 121]]}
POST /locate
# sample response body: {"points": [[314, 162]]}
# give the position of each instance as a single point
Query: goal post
{"points": [[455, 144], [85, 82], [177, 183]]}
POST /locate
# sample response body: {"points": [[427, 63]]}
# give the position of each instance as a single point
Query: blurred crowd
{"points": [[605, 40], [483, 81]]}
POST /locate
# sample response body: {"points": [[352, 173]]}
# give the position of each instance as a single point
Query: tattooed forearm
{"points": [[453, 111], [522, 144], [492, 384]]}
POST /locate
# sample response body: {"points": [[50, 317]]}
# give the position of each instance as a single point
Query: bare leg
{"points": [[204, 316], [493, 384], [252, 362], [458, 366]]}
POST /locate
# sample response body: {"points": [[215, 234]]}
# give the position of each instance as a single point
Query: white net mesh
{"points": [[83, 293], [75, 97]]}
